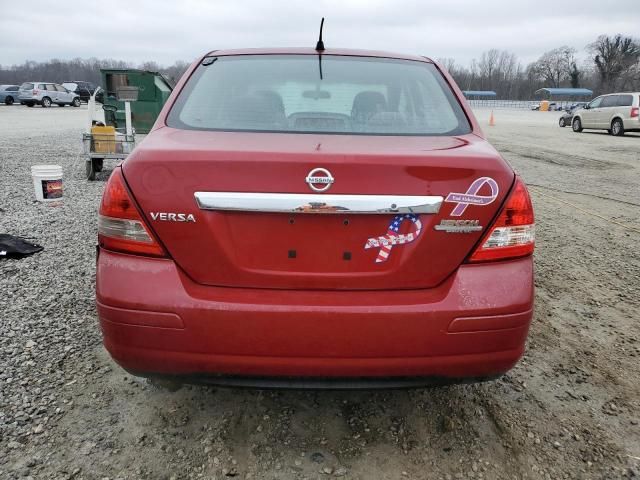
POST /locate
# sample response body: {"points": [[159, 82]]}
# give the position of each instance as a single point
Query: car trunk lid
{"points": [[317, 246]]}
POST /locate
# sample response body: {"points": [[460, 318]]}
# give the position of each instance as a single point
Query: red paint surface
{"points": [[229, 300], [315, 333]]}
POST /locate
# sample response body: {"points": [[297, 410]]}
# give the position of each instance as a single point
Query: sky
{"points": [[165, 31]]}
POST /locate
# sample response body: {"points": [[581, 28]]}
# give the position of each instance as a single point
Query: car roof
{"points": [[312, 51]]}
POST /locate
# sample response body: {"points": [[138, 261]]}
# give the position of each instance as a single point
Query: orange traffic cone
{"points": [[492, 122]]}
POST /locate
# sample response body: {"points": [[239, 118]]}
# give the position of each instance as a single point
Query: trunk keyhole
{"points": [[346, 256], [345, 222], [292, 220], [292, 254]]}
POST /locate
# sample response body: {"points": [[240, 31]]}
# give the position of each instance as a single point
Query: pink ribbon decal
{"points": [[471, 196]]}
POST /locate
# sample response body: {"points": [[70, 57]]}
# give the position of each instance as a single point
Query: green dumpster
{"points": [[153, 91]]}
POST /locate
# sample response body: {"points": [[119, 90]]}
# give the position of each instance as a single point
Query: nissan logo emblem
{"points": [[319, 179]]}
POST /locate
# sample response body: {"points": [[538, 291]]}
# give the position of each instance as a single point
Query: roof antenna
{"points": [[320, 44]]}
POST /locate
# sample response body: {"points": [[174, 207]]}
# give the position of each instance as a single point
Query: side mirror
{"points": [[586, 107]]}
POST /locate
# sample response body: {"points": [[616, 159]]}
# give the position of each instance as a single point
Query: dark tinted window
{"points": [[625, 100], [12, 89], [287, 93], [610, 101]]}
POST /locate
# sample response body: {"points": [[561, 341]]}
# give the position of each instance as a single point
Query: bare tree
{"points": [[449, 64], [487, 65], [59, 71], [574, 76], [616, 59], [554, 66]]}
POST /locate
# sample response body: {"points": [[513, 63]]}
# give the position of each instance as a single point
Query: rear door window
{"points": [[306, 94], [625, 100]]}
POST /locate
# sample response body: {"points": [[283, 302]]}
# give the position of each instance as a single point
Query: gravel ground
{"points": [[570, 409]]}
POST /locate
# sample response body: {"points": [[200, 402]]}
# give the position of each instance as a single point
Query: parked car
{"points": [[83, 89], [565, 119], [295, 223], [46, 94], [8, 94], [616, 112], [576, 105], [536, 106]]}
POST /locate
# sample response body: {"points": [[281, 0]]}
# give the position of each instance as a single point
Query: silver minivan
{"points": [[616, 112], [46, 94]]}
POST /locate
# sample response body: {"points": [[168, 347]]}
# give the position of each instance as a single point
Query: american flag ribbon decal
{"points": [[386, 242], [471, 197]]}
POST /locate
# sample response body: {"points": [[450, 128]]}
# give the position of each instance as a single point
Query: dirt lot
{"points": [[570, 409]]}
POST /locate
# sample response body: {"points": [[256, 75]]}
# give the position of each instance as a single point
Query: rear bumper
{"points": [[156, 321]]}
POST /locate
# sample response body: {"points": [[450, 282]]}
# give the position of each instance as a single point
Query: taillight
{"points": [[35, 93], [635, 111], [512, 235], [120, 225]]}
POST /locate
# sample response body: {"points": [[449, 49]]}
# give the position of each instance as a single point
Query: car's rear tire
{"points": [[576, 125], [46, 102], [562, 122], [8, 100], [617, 127], [76, 102]]}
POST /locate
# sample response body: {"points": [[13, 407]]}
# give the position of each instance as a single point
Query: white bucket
{"points": [[47, 182]]}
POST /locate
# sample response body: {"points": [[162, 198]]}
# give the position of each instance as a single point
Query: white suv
{"points": [[617, 113], [45, 94]]}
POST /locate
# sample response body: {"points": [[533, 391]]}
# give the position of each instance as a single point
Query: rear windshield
{"points": [[26, 86], [301, 94]]}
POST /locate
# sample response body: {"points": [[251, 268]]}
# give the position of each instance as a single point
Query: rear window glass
{"points": [[298, 93], [625, 100], [26, 86]]}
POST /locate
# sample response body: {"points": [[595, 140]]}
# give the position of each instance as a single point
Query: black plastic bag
{"points": [[16, 247]]}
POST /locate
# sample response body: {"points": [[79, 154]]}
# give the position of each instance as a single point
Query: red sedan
{"points": [[303, 218]]}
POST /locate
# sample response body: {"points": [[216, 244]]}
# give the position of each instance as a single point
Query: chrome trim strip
{"points": [[317, 203]]}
